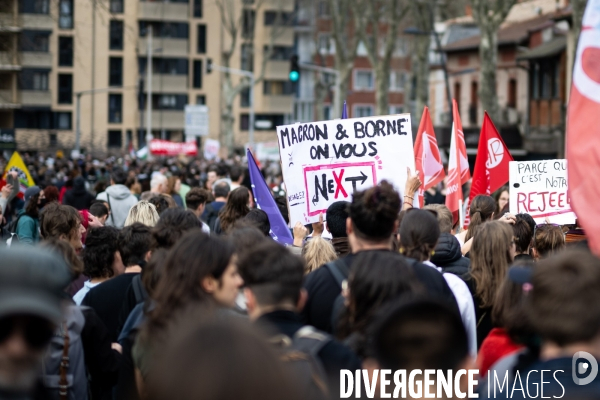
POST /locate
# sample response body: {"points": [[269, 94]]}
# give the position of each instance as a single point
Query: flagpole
{"points": [[461, 213]]}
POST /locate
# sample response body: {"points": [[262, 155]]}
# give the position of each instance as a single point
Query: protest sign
{"points": [[540, 189], [324, 162], [267, 151], [211, 149], [167, 148]]}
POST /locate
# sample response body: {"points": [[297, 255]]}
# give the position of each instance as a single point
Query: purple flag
{"points": [[265, 201], [345, 111]]}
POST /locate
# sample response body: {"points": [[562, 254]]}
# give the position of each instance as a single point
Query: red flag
{"points": [[491, 164], [583, 131], [458, 164], [428, 161]]}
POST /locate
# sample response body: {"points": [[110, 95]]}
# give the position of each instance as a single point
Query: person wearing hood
{"points": [[28, 219], [78, 197], [119, 199], [447, 254]]}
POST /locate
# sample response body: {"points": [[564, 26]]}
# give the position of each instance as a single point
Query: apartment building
{"points": [[54, 52]]}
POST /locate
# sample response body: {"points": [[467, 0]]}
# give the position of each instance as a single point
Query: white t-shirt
{"points": [[87, 286]]}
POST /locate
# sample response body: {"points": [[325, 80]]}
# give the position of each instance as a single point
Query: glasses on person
{"points": [[36, 331]]}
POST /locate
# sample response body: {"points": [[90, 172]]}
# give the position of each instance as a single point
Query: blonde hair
{"points": [[143, 212], [317, 252]]}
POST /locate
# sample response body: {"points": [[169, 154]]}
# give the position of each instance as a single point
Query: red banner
{"points": [[167, 148]]}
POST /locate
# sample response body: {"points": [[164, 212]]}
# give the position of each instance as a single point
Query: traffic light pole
{"points": [[249, 75], [337, 99]]}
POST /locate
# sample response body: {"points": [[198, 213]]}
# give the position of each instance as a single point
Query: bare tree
{"points": [[375, 20], [489, 15], [422, 13], [238, 25]]}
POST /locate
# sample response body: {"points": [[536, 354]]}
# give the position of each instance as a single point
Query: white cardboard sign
{"points": [[540, 189], [324, 162]]}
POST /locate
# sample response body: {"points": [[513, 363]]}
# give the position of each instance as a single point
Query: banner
{"points": [[267, 151], [427, 156], [326, 161], [167, 148], [540, 189], [16, 164], [211, 149], [265, 201], [583, 131]]}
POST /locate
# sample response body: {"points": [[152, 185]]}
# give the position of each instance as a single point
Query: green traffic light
{"points": [[294, 76]]}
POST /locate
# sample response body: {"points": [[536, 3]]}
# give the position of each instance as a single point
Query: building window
{"points": [[115, 139], [62, 121], [198, 8], [363, 80], [325, 44], [266, 122], [201, 45], [397, 81], [53, 139], [116, 35], [165, 66], [201, 99], [115, 108], [247, 57], [323, 9], [65, 16], [535, 81], [245, 97], [197, 74], [34, 6], [280, 52], [34, 41], [175, 30], [248, 19], [277, 18], [169, 101], [362, 111], [65, 89], [116, 6], [556, 79], [278, 88], [115, 71], [65, 51], [457, 93], [512, 94], [395, 109], [32, 79]]}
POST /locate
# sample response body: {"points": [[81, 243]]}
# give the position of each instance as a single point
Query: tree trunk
{"points": [[320, 91], [421, 68], [488, 56], [345, 70], [382, 87], [227, 119]]}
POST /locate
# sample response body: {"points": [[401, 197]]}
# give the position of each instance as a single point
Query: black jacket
{"points": [[78, 197], [449, 258]]}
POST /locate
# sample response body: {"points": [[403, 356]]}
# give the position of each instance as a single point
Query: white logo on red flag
{"points": [[495, 153]]}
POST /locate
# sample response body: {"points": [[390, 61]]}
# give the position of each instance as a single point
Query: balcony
{"points": [[36, 98], [171, 47], [162, 10], [283, 35], [39, 22], [8, 61], [168, 119], [36, 59], [164, 83], [9, 23], [277, 70], [6, 99], [278, 104]]}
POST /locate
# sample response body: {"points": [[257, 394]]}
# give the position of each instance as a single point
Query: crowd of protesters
{"points": [[128, 279]]}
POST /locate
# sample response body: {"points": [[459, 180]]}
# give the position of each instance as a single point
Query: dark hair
{"points": [[51, 193], [420, 334], [221, 189], [195, 197], [523, 235], [245, 237], [118, 176], [65, 250], [160, 203], [496, 197], [98, 209], [235, 208], [232, 357], [235, 173], [58, 219], [376, 278], [273, 274], [281, 202], [373, 212], [527, 218], [337, 214], [153, 271], [548, 239], [172, 225], [260, 219], [31, 207], [563, 304], [100, 186], [134, 243], [482, 208], [419, 233], [194, 257], [99, 252]]}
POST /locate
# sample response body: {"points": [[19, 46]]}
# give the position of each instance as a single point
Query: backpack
{"points": [[138, 289], [64, 372], [9, 232], [300, 355]]}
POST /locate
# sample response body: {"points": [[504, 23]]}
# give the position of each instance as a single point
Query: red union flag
{"points": [[168, 148], [458, 164], [491, 164], [583, 131], [428, 161]]}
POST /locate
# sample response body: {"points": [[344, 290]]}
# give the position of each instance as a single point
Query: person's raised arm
{"points": [[413, 183]]}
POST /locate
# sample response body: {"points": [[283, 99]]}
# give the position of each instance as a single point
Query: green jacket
{"points": [[28, 229]]}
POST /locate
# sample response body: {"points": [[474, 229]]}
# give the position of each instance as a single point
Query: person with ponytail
{"points": [[419, 233], [492, 253]]}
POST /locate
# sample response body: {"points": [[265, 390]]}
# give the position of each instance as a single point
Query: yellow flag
{"points": [[16, 164]]}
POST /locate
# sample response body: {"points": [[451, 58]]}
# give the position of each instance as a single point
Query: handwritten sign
{"points": [[324, 162], [540, 188]]}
